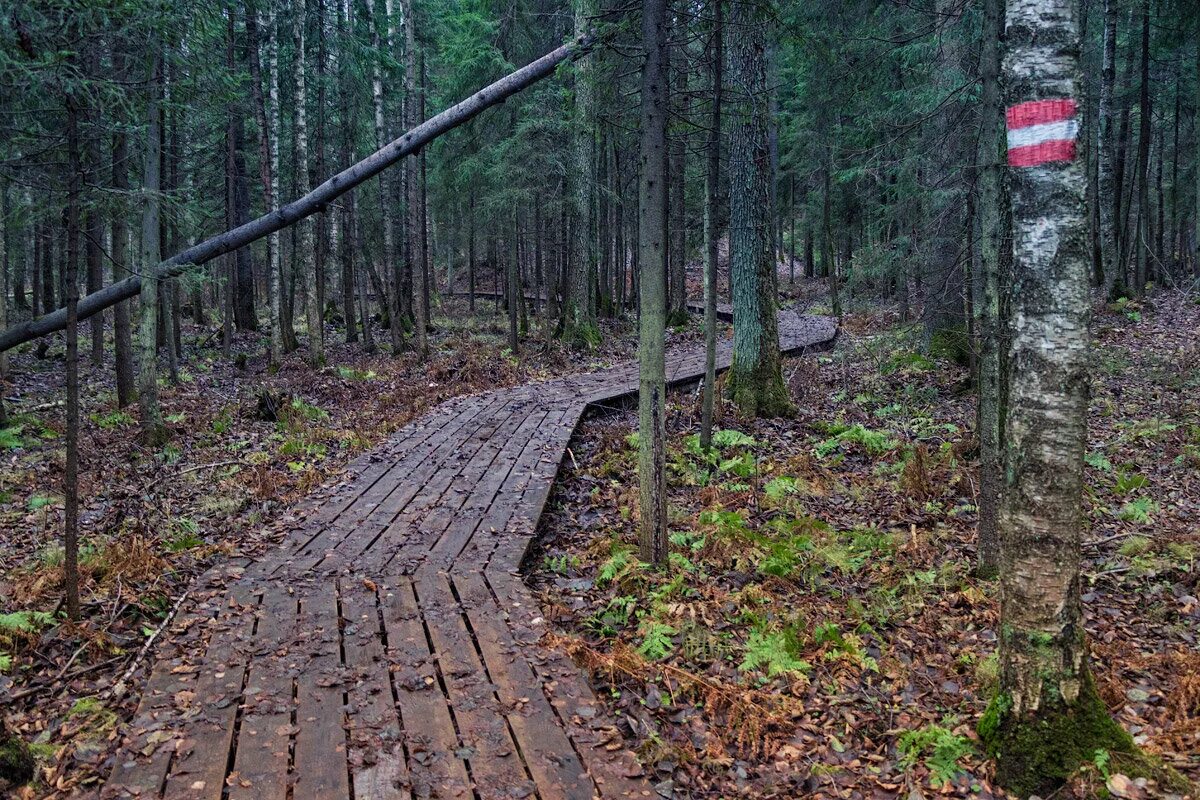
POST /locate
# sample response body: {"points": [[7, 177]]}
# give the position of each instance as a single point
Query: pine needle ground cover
{"points": [[819, 631]]}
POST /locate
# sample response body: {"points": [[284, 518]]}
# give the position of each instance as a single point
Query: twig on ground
{"points": [[118, 688]]}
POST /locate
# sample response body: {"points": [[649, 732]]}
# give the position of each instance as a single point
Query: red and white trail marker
{"points": [[1041, 132]]}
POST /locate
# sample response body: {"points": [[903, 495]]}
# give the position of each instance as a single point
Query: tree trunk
{"points": [[580, 311], [1047, 718], [119, 232], [154, 433], [652, 241], [712, 234], [391, 263], [268, 160], [1141, 243], [677, 268], [71, 299], [755, 377], [414, 212], [307, 246], [995, 256]]}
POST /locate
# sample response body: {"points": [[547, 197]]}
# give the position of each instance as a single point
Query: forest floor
{"points": [[152, 520], [819, 632]]}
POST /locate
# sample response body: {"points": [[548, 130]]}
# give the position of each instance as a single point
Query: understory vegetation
{"points": [[220, 492], [820, 631]]}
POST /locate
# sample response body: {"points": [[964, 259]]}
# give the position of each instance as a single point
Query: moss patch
{"points": [[952, 344], [16, 762], [1037, 753]]}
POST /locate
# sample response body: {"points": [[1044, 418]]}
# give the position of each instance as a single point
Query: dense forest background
{"points": [[874, 148]]}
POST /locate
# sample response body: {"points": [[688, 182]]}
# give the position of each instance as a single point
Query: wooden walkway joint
{"points": [[388, 648]]}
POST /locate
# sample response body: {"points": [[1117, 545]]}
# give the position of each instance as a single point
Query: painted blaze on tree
{"points": [[1047, 718]]}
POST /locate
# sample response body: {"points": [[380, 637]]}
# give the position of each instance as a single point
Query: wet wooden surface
{"points": [[388, 648]]}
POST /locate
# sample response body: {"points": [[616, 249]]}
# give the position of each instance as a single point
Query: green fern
{"points": [[769, 652], [657, 643], [25, 621], [10, 438], [730, 438], [940, 748], [620, 561]]}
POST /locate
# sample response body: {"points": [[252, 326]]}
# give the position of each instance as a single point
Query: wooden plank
{"points": [[200, 764], [320, 765], [145, 757], [426, 492], [453, 527], [496, 766], [378, 762], [613, 767], [368, 486], [262, 762], [430, 739], [370, 518], [487, 511], [548, 752]]}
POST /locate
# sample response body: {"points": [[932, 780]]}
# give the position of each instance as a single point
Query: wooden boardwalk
{"points": [[388, 647]]}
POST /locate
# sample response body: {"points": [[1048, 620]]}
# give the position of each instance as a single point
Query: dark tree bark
{"points": [[995, 257], [652, 527], [677, 268], [71, 268], [712, 234]]}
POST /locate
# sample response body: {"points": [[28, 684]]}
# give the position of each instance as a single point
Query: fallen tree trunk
{"points": [[314, 201]]}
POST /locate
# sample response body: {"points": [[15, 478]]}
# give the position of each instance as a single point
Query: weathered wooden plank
{"points": [[611, 764], [198, 772], [548, 752], [261, 764], [378, 763], [496, 765], [320, 765], [434, 751]]}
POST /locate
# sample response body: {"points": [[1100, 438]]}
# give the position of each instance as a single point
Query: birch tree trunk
{"points": [[652, 242], [755, 377], [1106, 146], [154, 432], [308, 264], [391, 263], [1047, 718]]}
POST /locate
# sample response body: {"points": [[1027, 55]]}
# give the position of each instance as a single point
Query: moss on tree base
{"points": [[582, 336], [756, 396], [1036, 753], [16, 762]]}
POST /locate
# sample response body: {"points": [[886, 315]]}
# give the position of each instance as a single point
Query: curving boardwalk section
{"points": [[388, 647]]}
